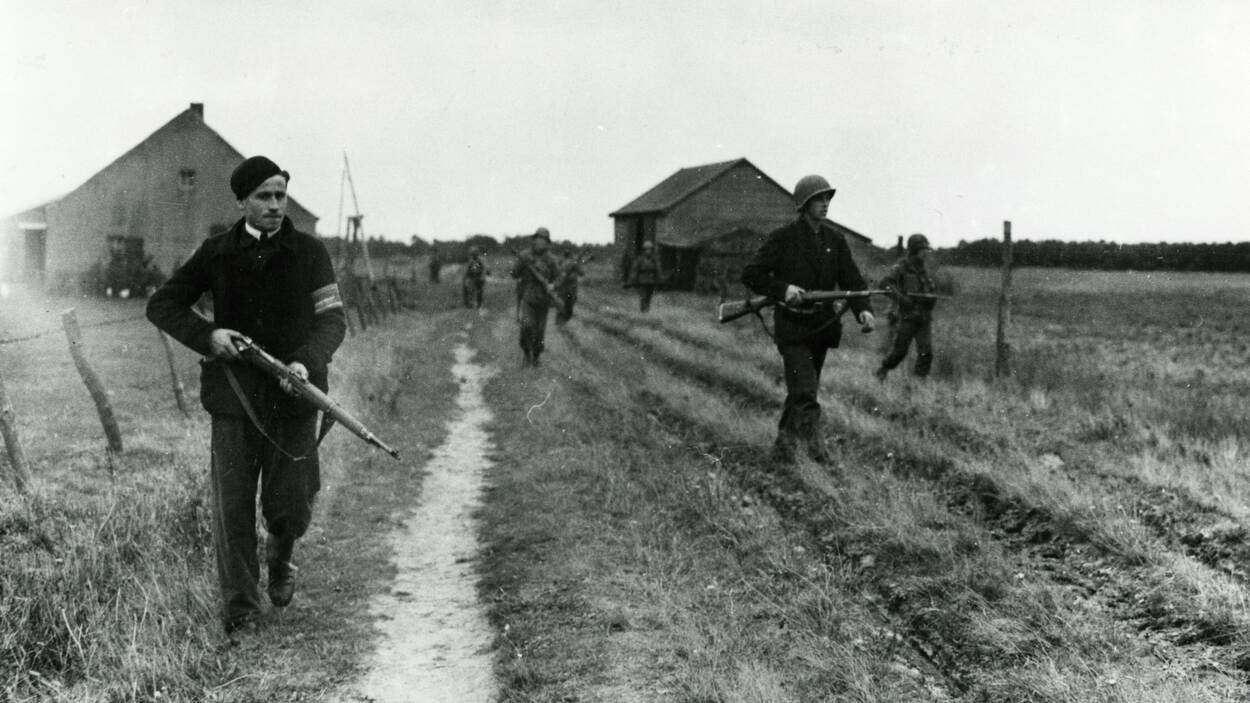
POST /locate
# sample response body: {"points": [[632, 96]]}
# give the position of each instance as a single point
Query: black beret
{"points": [[251, 173]]}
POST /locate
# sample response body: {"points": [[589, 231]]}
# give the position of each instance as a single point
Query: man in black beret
{"points": [[276, 285]]}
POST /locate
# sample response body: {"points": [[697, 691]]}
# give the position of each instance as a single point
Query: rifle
{"points": [[547, 286], [331, 411], [727, 312]]}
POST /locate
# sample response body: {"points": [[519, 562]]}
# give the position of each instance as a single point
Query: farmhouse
{"points": [[158, 200], [706, 222]]}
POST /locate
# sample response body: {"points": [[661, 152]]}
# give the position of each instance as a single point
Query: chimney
{"points": [[197, 109]]}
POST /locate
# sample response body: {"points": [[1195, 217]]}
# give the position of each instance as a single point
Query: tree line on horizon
{"points": [[1105, 256], [455, 251]]}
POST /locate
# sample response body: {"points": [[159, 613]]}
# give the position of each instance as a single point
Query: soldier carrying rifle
{"points": [[274, 284], [535, 270], [807, 254], [912, 317]]}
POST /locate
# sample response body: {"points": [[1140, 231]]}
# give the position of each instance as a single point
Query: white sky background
{"points": [[1124, 120]]}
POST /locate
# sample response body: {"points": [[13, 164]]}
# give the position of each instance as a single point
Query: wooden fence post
{"points": [[179, 394], [1002, 363], [8, 428], [69, 320]]}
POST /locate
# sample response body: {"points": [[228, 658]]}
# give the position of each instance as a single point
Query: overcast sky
{"points": [[1124, 120]]}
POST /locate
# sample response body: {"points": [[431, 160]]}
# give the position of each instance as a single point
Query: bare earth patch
{"points": [[435, 641]]}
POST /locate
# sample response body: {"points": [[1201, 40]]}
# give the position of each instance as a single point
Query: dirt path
{"points": [[435, 638]]}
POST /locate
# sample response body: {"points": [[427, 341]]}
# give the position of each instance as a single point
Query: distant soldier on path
{"points": [[571, 272], [275, 285], [474, 282], [436, 265], [912, 316], [645, 275], [533, 296], [808, 254]]}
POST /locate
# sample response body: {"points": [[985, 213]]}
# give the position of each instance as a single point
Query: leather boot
{"points": [[281, 573]]}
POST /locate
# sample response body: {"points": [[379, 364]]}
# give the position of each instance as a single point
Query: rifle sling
{"points": [[251, 413]]}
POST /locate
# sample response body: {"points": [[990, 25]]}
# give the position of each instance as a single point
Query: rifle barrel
{"points": [[314, 395]]}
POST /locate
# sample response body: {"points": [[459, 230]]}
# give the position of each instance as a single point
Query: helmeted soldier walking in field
{"points": [[806, 255], [474, 283], [571, 272], [274, 284], [436, 265], [644, 275], [912, 317], [535, 270]]}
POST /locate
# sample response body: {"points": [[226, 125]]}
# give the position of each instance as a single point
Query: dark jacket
{"points": [[530, 290], [571, 272], [796, 255], [906, 277], [645, 271], [281, 293]]}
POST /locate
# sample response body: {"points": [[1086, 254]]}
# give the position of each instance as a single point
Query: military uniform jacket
{"points": [[532, 291], [281, 293], [646, 271], [796, 255], [475, 269], [906, 277], [570, 273]]}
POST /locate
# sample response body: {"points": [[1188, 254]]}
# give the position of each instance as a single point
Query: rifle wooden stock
{"points": [[730, 311], [306, 390]]}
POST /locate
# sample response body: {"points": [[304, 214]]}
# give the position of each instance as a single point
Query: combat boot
{"points": [[281, 572], [785, 449]]}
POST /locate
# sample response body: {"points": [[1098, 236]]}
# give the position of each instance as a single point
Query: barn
{"points": [[706, 222], [153, 205]]}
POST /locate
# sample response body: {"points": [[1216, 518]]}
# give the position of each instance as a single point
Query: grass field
{"points": [[1076, 532]]}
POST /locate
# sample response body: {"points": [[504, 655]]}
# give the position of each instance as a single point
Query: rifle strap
{"points": [[251, 414], [327, 424]]}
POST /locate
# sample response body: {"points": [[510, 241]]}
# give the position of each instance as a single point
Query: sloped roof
{"points": [[188, 115], [681, 185]]}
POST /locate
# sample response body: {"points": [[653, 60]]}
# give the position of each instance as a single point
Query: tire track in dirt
{"points": [[435, 640], [1055, 548]]}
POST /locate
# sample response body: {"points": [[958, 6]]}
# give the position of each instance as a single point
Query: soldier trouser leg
{"points": [[242, 459], [533, 328], [644, 298], [924, 349], [478, 290], [903, 334], [800, 416]]}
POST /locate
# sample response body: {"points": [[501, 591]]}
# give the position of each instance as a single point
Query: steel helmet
{"points": [[917, 242], [473, 251], [808, 188], [648, 244], [542, 233]]}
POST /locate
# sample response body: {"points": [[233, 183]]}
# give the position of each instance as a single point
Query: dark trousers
{"points": [[644, 297], [800, 416], [570, 299], [533, 327], [472, 290], [920, 330], [242, 459]]}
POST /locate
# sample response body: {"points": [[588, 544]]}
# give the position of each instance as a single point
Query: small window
{"points": [[186, 179]]}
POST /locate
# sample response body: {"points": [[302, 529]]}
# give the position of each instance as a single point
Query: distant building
{"points": [[706, 222], [159, 200]]}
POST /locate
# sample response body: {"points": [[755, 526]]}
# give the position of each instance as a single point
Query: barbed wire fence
{"points": [[373, 301]]}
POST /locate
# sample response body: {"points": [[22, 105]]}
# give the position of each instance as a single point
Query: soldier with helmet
{"points": [[807, 254], [571, 272], [912, 288], [535, 271], [474, 281], [645, 275]]}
